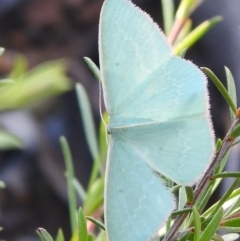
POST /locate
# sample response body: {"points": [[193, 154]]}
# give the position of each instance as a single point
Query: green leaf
{"points": [[231, 224], [79, 189], [185, 31], [226, 195], [216, 237], [60, 236], [91, 237], [231, 90], [219, 169], [89, 129], [98, 223], [226, 174], [82, 226], [5, 83], [218, 144], [221, 88], [20, 67], [168, 15], [88, 121], [74, 235], [175, 188], [197, 223], [182, 198], [235, 193], [70, 177], [233, 205], [229, 194], [181, 211], [235, 132], [203, 200], [44, 234], [93, 67], [216, 183], [222, 164], [182, 53], [212, 227], [196, 34], [185, 9], [190, 197], [9, 141], [94, 198], [41, 82]]}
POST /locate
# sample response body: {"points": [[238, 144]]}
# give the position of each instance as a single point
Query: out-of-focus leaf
{"points": [[20, 67], [88, 121], [2, 184], [60, 236], [43, 81], [185, 8], [74, 236], [1, 51], [70, 177], [94, 198], [168, 15], [90, 132], [5, 83], [44, 234], [90, 237], [82, 226], [185, 31], [9, 141], [196, 34], [79, 189]]}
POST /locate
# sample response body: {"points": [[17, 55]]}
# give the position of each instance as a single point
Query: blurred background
{"points": [[43, 30]]}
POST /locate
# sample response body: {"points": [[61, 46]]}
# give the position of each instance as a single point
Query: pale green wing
{"points": [[137, 203], [180, 150], [131, 48]]}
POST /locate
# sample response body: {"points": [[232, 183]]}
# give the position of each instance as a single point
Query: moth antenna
{"points": [[100, 102], [100, 110]]}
